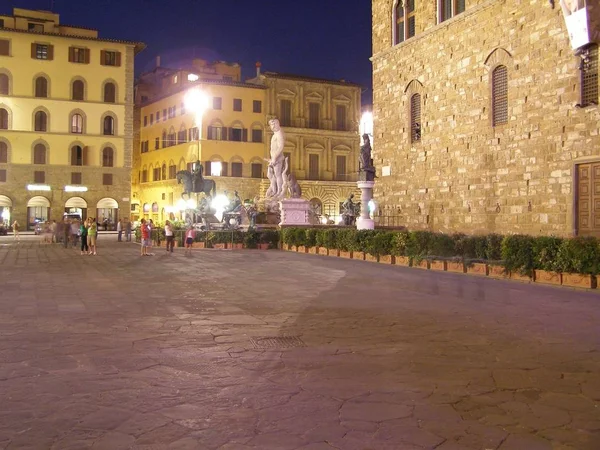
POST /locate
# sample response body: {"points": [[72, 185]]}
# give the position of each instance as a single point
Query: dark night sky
{"points": [[322, 38]]}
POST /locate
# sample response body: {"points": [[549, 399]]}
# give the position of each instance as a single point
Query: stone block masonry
{"points": [[465, 174]]}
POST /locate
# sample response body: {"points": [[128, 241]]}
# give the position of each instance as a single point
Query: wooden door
{"points": [[588, 199]]}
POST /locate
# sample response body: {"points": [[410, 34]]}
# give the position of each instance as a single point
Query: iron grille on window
{"points": [[500, 96], [415, 118], [39, 176], [589, 76], [76, 178]]}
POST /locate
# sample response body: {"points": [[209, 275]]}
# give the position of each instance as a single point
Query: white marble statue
{"points": [[276, 167]]}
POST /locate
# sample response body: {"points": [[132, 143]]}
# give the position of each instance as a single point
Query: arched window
{"points": [[163, 175], [77, 90], [110, 92], [77, 124], [499, 96], [415, 118], [164, 139], [41, 121], [78, 156], [41, 87], [109, 126], [3, 119], [4, 84], [3, 153], [404, 20], [39, 154], [107, 157]]}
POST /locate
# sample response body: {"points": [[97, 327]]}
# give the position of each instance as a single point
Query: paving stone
{"points": [[122, 359]]}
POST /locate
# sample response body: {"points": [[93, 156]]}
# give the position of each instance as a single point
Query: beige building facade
{"points": [[66, 120], [485, 120], [319, 117]]}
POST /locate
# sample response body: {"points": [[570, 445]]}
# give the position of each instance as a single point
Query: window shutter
{"points": [[102, 57], [225, 133], [209, 132], [84, 157], [50, 52], [118, 62], [87, 56], [207, 168], [245, 135], [224, 169], [4, 47], [33, 50], [71, 52]]}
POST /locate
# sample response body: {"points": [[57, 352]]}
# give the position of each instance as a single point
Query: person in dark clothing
{"points": [[83, 232]]}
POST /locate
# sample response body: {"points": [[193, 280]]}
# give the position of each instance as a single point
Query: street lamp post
{"points": [[196, 101]]}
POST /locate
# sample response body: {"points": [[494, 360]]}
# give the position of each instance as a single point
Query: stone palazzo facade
{"points": [[486, 120]]}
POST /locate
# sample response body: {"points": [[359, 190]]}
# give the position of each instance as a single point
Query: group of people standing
{"points": [[88, 231]]}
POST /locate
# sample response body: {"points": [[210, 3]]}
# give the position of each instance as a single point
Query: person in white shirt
{"points": [[119, 231], [169, 236]]}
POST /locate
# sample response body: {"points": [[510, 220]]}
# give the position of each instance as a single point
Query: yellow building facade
{"points": [[66, 120], [235, 137]]}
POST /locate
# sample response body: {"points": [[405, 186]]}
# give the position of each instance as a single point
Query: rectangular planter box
{"points": [[358, 255], [456, 267], [437, 265], [313, 250], [371, 258], [263, 246], [386, 259], [334, 252], [323, 251], [423, 264], [542, 276], [518, 277], [347, 255], [301, 249], [236, 246], [480, 269], [497, 272], [199, 245], [402, 261], [579, 280], [220, 246]]}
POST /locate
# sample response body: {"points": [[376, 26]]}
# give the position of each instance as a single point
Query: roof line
{"points": [[139, 46]]}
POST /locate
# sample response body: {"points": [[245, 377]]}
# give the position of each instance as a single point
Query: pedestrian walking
{"points": [[169, 236], [189, 239], [83, 233], [92, 237], [53, 231], [66, 232], [75, 232], [145, 233], [150, 226], [15, 227], [119, 231], [128, 231]]}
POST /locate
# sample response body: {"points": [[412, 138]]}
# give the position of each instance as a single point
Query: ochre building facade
{"points": [[485, 119], [319, 117], [66, 120]]}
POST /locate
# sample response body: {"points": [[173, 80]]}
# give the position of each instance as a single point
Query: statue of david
{"points": [[276, 162]]}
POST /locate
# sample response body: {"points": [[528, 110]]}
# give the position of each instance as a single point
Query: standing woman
{"points": [[92, 235], [169, 236], [83, 233]]}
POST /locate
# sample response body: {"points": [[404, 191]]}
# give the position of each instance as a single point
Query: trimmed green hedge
{"points": [[518, 253]]}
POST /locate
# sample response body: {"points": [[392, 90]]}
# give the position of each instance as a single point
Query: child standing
{"points": [[189, 239]]}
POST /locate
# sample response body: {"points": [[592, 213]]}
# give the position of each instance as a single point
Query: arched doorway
{"points": [[107, 213], [76, 205], [5, 210], [38, 210]]}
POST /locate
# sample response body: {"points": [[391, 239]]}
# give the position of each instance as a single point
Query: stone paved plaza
{"points": [[236, 350]]}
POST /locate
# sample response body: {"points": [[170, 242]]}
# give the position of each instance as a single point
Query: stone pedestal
{"points": [[294, 211], [364, 222]]}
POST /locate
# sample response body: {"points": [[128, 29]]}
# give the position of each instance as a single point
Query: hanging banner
{"points": [[576, 19]]}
